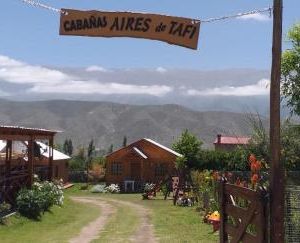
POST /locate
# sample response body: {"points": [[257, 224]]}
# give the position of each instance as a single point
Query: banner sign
{"points": [[174, 30]]}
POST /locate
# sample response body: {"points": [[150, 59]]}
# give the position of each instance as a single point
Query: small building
{"points": [[17, 169], [142, 161], [230, 143], [60, 162]]}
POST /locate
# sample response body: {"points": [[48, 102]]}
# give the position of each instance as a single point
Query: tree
{"points": [[70, 147], [111, 148], [124, 141], [290, 69], [89, 158], [65, 147], [189, 146]]}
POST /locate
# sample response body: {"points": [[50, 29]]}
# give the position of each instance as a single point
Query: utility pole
{"points": [[277, 180]]}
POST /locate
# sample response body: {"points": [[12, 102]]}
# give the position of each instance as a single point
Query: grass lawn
{"points": [[59, 225], [171, 223]]}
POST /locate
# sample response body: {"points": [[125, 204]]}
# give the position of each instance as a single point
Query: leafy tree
{"points": [[124, 141], [290, 69], [189, 146]]}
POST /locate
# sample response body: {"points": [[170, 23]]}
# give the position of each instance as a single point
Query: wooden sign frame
{"points": [[173, 30]]}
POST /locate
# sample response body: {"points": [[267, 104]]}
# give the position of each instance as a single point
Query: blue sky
{"points": [[31, 35]]}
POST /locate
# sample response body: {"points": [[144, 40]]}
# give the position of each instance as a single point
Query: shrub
{"points": [[99, 189], [113, 188], [4, 210], [33, 202]]}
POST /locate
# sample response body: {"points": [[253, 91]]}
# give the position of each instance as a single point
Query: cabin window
{"points": [[116, 169], [160, 170]]}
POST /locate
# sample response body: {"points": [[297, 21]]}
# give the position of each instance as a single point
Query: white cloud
{"points": [[14, 71], [161, 70], [3, 94], [93, 87], [45, 80], [256, 17], [260, 88], [96, 68]]}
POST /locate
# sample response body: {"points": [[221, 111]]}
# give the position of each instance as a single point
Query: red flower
{"points": [[254, 178], [252, 159]]}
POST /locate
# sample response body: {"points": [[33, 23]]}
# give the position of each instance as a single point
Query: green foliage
{"points": [[78, 161], [223, 160], [189, 146], [290, 142], [290, 69], [68, 147], [124, 141], [207, 189], [110, 149], [33, 202], [180, 163]]}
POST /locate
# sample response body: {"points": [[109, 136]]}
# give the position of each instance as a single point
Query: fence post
{"points": [[222, 202]]}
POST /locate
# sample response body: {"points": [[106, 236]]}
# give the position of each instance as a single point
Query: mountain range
{"points": [[107, 123]]}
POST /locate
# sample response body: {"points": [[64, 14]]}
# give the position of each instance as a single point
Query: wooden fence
{"points": [[243, 214]]}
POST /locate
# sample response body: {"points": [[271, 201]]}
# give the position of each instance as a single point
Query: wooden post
{"points": [[50, 171], [277, 184], [8, 154], [222, 201], [30, 161]]}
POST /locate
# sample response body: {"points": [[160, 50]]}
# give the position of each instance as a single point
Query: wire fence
{"points": [[292, 208]]}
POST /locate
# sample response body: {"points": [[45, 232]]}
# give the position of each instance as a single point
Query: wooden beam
{"points": [[8, 154], [30, 161], [50, 171], [277, 182]]}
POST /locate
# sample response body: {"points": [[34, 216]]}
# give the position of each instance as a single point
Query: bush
{"points": [[148, 187], [99, 189], [113, 188], [33, 202]]}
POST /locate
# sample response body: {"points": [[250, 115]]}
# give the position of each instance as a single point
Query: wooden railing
{"points": [[243, 214], [10, 185]]}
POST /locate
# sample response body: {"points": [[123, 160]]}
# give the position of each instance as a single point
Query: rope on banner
{"points": [[210, 20], [41, 5], [269, 9]]}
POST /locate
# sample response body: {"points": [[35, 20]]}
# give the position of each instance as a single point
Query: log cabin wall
{"points": [[127, 164]]}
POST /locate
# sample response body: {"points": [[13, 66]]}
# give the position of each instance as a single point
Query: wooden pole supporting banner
{"points": [[277, 181]]}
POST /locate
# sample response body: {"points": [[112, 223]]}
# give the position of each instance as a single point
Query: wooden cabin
{"points": [[142, 161], [17, 169]]}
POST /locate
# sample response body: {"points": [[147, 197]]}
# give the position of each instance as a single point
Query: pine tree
{"points": [[111, 148], [124, 141], [70, 147], [65, 147]]}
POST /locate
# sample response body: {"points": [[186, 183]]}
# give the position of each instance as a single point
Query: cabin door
{"points": [[136, 171]]}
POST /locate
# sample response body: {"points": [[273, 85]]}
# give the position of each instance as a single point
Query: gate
{"points": [[243, 214]]}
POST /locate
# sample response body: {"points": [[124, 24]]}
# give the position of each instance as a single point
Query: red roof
{"points": [[232, 140]]}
